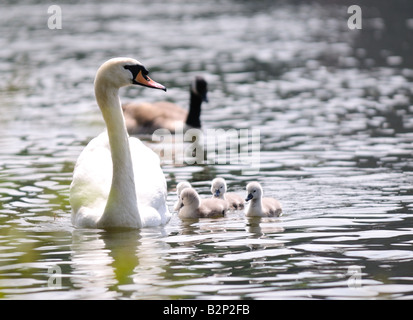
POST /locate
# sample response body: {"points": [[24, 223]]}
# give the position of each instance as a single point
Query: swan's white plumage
{"points": [[260, 206], [219, 191], [139, 196], [92, 180], [179, 187], [194, 207]]}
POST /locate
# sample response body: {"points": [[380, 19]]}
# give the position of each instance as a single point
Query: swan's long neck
{"points": [[121, 208], [194, 111]]}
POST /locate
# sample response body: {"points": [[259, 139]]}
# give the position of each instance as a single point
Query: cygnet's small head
{"points": [[218, 187], [189, 198], [120, 72], [181, 186], [199, 87], [254, 191]]}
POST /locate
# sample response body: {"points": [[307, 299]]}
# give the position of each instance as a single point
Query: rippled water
{"points": [[335, 114]]}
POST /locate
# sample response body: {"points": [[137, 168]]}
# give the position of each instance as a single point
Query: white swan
{"points": [[117, 180], [259, 206], [192, 206], [179, 187], [219, 191]]}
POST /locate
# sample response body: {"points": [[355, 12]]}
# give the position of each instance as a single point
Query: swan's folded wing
{"points": [[235, 201], [91, 182], [150, 184], [272, 207]]}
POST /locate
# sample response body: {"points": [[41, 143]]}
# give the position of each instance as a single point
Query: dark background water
{"points": [[334, 109]]}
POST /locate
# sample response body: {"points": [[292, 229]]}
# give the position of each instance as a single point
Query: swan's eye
{"points": [[254, 191], [135, 69]]}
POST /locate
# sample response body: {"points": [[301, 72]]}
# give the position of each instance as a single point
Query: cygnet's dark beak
{"points": [[249, 197], [217, 192]]}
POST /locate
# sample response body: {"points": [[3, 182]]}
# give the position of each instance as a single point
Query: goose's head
{"points": [[218, 187], [189, 198], [254, 191], [199, 87], [120, 72]]}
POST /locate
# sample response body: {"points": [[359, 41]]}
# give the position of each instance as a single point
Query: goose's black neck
{"points": [[193, 118]]}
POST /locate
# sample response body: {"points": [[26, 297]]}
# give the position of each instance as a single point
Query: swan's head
{"points": [[189, 198], [254, 191], [218, 187], [199, 87], [120, 72], [181, 186]]}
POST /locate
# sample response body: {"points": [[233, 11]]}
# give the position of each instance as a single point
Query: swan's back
{"points": [[235, 201], [212, 208], [271, 207]]}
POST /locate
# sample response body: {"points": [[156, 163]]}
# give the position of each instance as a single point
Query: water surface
{"points": [[334, 112]]}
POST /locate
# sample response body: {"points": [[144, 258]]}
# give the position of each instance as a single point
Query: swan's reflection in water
{"points": [[258, 226], [109, 265]]}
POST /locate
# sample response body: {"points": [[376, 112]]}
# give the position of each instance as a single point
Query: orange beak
{"points": [[145, 81]]}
